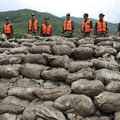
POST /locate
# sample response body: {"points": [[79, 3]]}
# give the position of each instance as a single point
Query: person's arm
{"points": [[12, 30], [38, 29], [51, 31], [107, 31], [28, 28], [91, 29], [62, 30], [81, 31], [41, 31], [73, 28], [95, 30]]}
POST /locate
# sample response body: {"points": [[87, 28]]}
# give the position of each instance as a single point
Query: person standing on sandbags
{"points": [[33, 27], [46, 29], [8, 29], [119, 30], [86, 27], [101, 29], [68, 27]]}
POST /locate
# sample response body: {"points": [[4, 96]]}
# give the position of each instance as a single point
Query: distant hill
{"points": [[20, 18]]}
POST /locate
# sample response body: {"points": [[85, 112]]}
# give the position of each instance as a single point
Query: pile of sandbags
{"points": [[58, 78]]}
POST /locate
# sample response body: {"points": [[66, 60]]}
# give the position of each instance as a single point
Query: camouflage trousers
{"points": [[68, 34], [35, 32], [101, 34], [85, 34], [9, 36]]}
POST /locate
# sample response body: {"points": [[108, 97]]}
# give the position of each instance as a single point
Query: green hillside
{"points": [[20, 18]]}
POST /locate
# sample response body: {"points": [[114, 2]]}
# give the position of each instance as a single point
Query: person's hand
{"points": [[95, 36], [73, 33], [107, 34], [61, 35], [89, 36]]}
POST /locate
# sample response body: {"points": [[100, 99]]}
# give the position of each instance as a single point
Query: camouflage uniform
{"points": [[68, 33], [8, 35], [86, 34], [100, 34]]}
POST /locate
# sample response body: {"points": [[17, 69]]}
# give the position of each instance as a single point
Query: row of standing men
{"points": [[68, 30]]}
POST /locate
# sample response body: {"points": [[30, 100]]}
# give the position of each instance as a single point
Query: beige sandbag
{"points": [[87, 87], [59, 74], [13, 105], [75, 66], [32, 70], [82, 53], [80, 104], [108, 102], [39, 109]]}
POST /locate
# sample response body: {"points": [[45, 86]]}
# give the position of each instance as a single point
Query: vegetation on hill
{"points": [[20, 18]]}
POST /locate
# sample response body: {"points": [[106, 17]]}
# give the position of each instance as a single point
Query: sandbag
{"points": [[64, 42], [113, 86], [62, 50], [27, 44], [12, 59], [22, 49], [28, 36], [26, 82], [52, 94], [2, 50], [4, 87], [101, 50], [19, 41], [105, 63], [9, 71], [32, 70], [103, 39], [89, 45], [8, 44], [86, 87], [116, 38], [3, 37], [55, 74], [57, 61], [106, 76], [108, 102], [106, 43], [117, 116], [47, 43], [8, 116], [13, 105], [73, 116], [85, 41], [82, 53], [38, 109], [75, 66], [96, 118], [85, 73], [40, 49], [116, 45], [35, 58], [80, 104], [23, 93]]}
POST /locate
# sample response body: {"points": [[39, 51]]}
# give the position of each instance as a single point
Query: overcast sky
{"points": [[111, 8]]}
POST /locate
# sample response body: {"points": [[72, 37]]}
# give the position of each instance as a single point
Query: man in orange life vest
{"points": [[46, 29], [119, 30], [33, 27], [86, 27], [8, 29], [100, 29], [68, 27]]}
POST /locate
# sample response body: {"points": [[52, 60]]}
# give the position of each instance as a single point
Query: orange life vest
{"points": [[7, 29], [46, 29], [101, 26], [33, 25], [68, 25], [86, 26]]}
